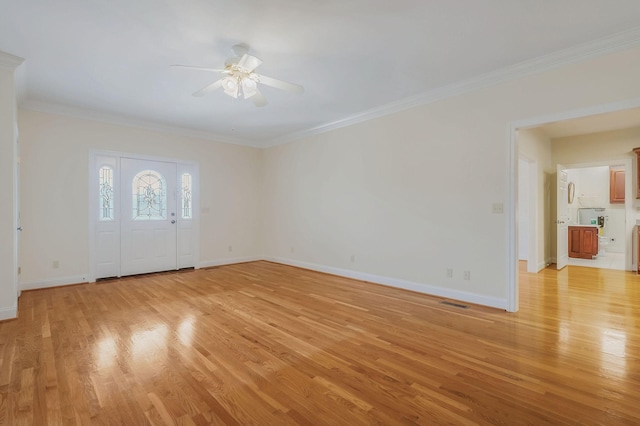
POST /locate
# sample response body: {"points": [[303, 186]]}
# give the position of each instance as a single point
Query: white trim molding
{"points": [[54, 282], [607, 45], [9, 62], [86, 114], [8, 313], [428, 289], [230, 261]]}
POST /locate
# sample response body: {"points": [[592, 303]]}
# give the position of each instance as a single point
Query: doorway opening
{"points": [[601, 118]]}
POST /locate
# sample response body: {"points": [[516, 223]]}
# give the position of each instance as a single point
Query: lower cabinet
{"points": [[583, 242]]}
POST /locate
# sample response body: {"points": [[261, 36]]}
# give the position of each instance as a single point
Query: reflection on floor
{"points": [[605, 261]]}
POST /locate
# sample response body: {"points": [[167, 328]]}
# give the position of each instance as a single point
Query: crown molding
{"points": [[582, 52], [52, 108], [9, 62]]}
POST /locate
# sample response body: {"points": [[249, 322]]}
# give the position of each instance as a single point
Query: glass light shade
{"points": [[230, 86], [249, 87]]}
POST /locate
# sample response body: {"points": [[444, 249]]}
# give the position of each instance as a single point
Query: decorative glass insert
{"points": [[186, 196], [149, 196], [106, 193]]}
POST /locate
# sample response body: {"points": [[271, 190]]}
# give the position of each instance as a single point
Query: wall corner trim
{"points": [[9, 62], [8, 313]]}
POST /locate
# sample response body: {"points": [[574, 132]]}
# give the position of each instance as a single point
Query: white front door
{"points": [[562, 221], [148, 216]]}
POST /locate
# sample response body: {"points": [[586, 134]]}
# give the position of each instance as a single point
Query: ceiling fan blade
{"points": [[200, 68], [249, 63], [240, 49], [279, 84], [210, 88], [258, 99]]}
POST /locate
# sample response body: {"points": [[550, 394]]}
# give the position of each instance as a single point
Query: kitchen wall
{"points": [[592, 190], [54, 192]]}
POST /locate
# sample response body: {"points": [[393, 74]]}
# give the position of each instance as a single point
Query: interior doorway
{"points": [[599, 118]]}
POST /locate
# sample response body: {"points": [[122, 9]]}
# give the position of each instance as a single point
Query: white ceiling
{"points": [[112, 58]]}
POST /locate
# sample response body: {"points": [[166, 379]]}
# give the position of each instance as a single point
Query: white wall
{"points": [[535, 146], [411, 194], [8, 236], [55, 173]]}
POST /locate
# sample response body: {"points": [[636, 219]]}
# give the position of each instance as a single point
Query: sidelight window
{"points": [[106, 194], [186, 196]]}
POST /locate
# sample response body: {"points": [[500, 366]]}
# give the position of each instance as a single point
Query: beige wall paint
{"points": [[55, 167], [8, 295], [411, 194], [535, 145], [613, 145], [398, 199]]}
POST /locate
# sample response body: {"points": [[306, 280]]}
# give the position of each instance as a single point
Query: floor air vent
{"points": [[457, 305]]}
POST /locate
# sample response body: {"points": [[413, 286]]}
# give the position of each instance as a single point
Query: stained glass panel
{"points": [[186, 196], [106, 194], [149, 196]]}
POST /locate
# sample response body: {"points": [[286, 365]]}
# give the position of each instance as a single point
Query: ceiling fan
{"points": [[239, 78]]}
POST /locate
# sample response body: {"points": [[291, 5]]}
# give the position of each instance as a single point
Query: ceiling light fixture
{"points": [[239, 78]]}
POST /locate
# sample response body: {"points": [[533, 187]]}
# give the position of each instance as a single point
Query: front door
{"points": [[148, 216]]}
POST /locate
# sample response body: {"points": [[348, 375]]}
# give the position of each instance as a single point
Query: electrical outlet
{"points": [[55, 264], [353, 258], [293, 250], [497, 208], [449, 273], [467, 275], [230, 249]]}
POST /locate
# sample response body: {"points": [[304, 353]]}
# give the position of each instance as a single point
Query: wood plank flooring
{"points": [[261, 343]]}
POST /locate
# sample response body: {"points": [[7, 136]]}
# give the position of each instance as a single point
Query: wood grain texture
{"points": [[262, 343]]}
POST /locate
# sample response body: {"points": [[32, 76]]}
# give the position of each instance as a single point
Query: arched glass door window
{"points": [[186, 196], [149, 196], [105, 201]]}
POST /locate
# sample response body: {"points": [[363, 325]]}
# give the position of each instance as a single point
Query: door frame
{"points": [[512, 180], [532, 229], [93, 205]]}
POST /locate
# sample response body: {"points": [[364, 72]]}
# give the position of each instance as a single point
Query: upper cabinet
{"points": [[616, 184]]}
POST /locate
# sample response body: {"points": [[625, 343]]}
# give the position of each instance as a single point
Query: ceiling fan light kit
{"points": [[240, 80]]}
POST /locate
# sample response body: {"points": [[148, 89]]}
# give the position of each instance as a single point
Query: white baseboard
{"points": [[543, 265], [463, 296], [8, 313], [230, 261], [54, 282], [347, 273]]}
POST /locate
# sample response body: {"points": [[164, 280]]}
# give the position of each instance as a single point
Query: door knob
{"points": [[19, 228], [173, 221]]}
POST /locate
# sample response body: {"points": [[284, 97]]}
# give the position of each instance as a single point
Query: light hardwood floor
{"points": [[261, 343]]}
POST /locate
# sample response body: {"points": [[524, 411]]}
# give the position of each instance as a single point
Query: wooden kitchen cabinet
{"points": [[616, 185], [583, 242]]}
